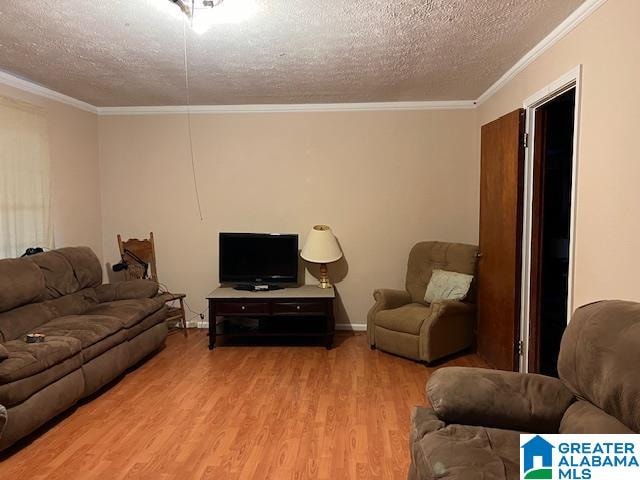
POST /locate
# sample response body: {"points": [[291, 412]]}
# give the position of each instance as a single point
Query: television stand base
{"points": [[258, 288], [287, 316]]}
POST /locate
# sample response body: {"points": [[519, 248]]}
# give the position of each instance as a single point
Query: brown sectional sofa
{"points": [[472, 430], [94, 332]]}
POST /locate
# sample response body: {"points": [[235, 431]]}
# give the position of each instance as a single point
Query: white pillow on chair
{"points": [[446, 285]]}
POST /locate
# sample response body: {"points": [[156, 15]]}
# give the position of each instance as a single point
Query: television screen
{"points": [[258, 258]]}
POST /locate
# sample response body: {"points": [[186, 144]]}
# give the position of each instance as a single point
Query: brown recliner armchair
{"points": [[473, 426], [401, 322]]}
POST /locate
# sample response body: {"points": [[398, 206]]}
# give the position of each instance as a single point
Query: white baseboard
{"points": [[197, 324], [352, 327], [349, 327]]}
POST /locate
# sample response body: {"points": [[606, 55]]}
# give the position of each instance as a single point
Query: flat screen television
{"points": [[258, 258]]}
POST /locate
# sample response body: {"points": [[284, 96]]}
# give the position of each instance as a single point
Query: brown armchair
{"points": [[473, 425], [401, 322]]}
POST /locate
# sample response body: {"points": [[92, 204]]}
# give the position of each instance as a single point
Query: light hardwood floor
{"points": [[239, 413]]}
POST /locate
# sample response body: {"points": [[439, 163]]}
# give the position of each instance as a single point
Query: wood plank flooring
{"points": [[238, 413]]}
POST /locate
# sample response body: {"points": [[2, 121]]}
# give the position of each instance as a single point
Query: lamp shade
{"points": [[321, 246]]}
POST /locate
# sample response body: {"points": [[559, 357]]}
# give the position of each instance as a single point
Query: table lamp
{"points": [[321, 247]]}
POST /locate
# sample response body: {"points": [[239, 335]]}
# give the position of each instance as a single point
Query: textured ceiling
{"points": [[130, 52]]}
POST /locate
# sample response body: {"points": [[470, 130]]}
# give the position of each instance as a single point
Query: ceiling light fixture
{"points": [[203, 14], [189, 7]]}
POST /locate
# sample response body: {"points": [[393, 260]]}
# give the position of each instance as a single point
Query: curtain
{"points": [[25, 217]]}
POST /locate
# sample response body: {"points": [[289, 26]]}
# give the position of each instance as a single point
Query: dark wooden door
{"points": [[500, 257]]}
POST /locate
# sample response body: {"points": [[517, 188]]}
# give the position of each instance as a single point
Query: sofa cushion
{"points": [[26, 359], [40, 407], [583, 417], [59, 277], [466, 452], [148, 322], [126, 290], [446, 285], [85, 264], [599, 358], [21, 282], [407, 318], [100, 370], [427, 256], [17, 392], [148, 341], [88, 329], [73, 304], [399, 343], [101, 346], [129, 312], [19, 321]]}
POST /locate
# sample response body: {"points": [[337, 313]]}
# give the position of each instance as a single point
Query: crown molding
{"points": [[34, 88], [295, 107], [31, 87], [578, 16]]}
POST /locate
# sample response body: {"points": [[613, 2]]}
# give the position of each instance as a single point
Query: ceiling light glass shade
{"points": [[203, 17], [321, 246], [229, 11]]}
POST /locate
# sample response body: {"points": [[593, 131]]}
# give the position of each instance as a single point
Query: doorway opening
{"points": [[551, 232], [552, 124]]}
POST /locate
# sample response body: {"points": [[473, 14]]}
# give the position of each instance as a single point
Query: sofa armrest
{"points": [[385, 299], [170, 297], [423, 421], [498, 399], [442, 308], [126, 290], [448, 329]]}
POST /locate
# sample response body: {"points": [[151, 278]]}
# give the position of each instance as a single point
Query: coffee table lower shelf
{"points": [[273, 330]]}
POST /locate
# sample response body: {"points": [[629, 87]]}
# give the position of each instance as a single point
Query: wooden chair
{"points": [[140, 257]]}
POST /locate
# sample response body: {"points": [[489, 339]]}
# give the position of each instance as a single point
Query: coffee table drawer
{"points": [[293, 308], [248, 308]]}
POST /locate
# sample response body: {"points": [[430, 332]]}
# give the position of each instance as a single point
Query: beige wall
{"points": [[75, 184], [382, 180], [607, 221]]}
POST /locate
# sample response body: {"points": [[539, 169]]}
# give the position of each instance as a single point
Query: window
{"points": [[24, 179]]}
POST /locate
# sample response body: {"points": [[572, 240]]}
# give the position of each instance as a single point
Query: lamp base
{"points": [[324, 277]]}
